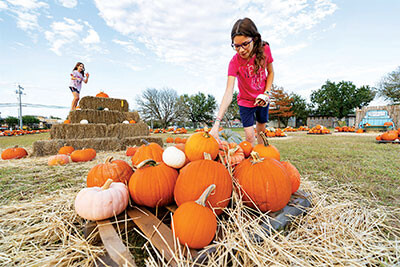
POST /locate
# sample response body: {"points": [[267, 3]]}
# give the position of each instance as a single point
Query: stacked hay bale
{"points": [[105, 129]]}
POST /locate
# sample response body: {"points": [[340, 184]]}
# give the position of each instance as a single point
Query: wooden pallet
{"points": [[161, 237]]}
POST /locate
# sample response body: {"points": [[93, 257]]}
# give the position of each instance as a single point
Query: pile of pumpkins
{"points": [[319, 129], [392, 135], [66, 152], [196, 176]]}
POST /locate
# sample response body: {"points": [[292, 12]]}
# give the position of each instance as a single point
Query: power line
{"points": [[32, 105]]}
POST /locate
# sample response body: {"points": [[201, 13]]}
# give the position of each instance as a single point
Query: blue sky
{"points": [[128, 46]]}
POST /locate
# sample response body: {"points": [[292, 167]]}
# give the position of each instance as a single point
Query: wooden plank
{"points": [[162, 238], [113, 244]]}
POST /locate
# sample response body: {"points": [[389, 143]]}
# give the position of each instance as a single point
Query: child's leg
{"points": [[75, 100], [260, 127], [250, 136], [261, 121]]}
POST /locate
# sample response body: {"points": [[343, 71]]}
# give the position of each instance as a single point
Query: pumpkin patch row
{"points": [[319, 129], [196, 175], [181, 130], [21, 132]]}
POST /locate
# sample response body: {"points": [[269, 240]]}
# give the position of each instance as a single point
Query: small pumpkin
{"points": [[117, 170], [174, 157], [147, 151], [247, 148], [67, 122], [125, 122], [60, 159], [152, 184], [193, 223], [83, 155], [231, 153], [102, 94], [130, 151], [266, 150], [132, 121], [200, 143], [66, 150], [99, 203], [263, 182], [169, 140], [14, 153], [84, 122], [294, 175]]}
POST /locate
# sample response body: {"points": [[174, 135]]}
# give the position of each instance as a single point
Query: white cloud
{"points": [[129, 46], [68, 33], [26, 11], [28, 4], [190, 34], [68, 3], [3, 5], [289, 50]]}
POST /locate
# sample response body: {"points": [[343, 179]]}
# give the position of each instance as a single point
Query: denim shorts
{"points": [[248, 115], [73, 89]]}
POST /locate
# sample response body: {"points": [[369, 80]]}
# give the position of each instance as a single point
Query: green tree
{"points": [[12, 121], [29, 120], [197, 108], [158, 105], [232, 112], [339, 100], [301, 109], [389, 86]]}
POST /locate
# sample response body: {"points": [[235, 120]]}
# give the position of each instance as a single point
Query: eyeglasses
{"points": [[244, 45]]}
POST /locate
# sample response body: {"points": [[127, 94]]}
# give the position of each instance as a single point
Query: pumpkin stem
{"points": [[149, 162], [256, 157], [145, 142], [206, 134], [207, 156], [107, 184], [264, 138], [232, 151], [109, 159], [202, 199]]}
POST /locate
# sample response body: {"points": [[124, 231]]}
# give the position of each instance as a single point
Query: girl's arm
{"points": [[270, 78], [226, 101], [87, 77]]}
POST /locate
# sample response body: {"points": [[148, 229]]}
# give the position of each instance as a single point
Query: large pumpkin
{"points": [[59, 159], [66, 150], [147, 151], [200, 143], [117, 170], [264, 182], [266, 150], [152, 184], [193, 223], [102, 94], [99, 203], [83, 155], [294, 175], [390, 135], [196, 176], [13, 153]]}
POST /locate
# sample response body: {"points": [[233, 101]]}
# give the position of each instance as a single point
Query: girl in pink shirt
{"points": [[248, 65]]}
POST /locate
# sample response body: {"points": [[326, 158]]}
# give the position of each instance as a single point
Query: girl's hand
{"points": [[262, 100], [87, 74], [214, 132]]}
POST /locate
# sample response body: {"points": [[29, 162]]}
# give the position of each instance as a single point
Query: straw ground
{"points": [[354, 220]]}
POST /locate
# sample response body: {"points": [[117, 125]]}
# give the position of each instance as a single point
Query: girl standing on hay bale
{"points": [[77, 77], [248, 65]]}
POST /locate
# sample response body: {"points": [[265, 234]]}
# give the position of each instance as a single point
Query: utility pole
{"points": [[19, 93]]}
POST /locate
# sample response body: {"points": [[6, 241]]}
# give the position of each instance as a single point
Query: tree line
{"points": [[164, 107]]}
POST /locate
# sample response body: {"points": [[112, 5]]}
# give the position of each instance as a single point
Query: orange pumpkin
{"points": [[390, 135], [14, 153], [169, 140], [147, 151], [117, 170], [83, 155], [102, 94], [67, 122], [199, 143], [59, 159], [196, 176], [294, 175], [231, 153], [132, 121], [66, 150], [388, 123], [130, 151], [247, 148], [152, 184], [360, 131], [266, 150], [263, 182], [193, 223], [378, 138]]}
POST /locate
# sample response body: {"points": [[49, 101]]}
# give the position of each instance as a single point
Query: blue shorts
{"points": [[73, 89], [247, 115]]}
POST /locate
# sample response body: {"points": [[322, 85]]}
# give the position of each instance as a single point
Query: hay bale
{"points": [[91, 102], [97, 116], [78, 131], [137, 141], [133, 115], [47, 147], [121, 130]]}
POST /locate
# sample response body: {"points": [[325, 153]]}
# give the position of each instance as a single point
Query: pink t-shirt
{"points": [[250, 85]]}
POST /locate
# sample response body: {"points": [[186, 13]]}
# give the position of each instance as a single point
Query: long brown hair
{"points": [[76, 68], [246, 27]]}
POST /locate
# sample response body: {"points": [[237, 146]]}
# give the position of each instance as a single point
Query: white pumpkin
{"points": [[106, 109], [99, 203], [174, 157], [126, 122], [84, 122]]}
